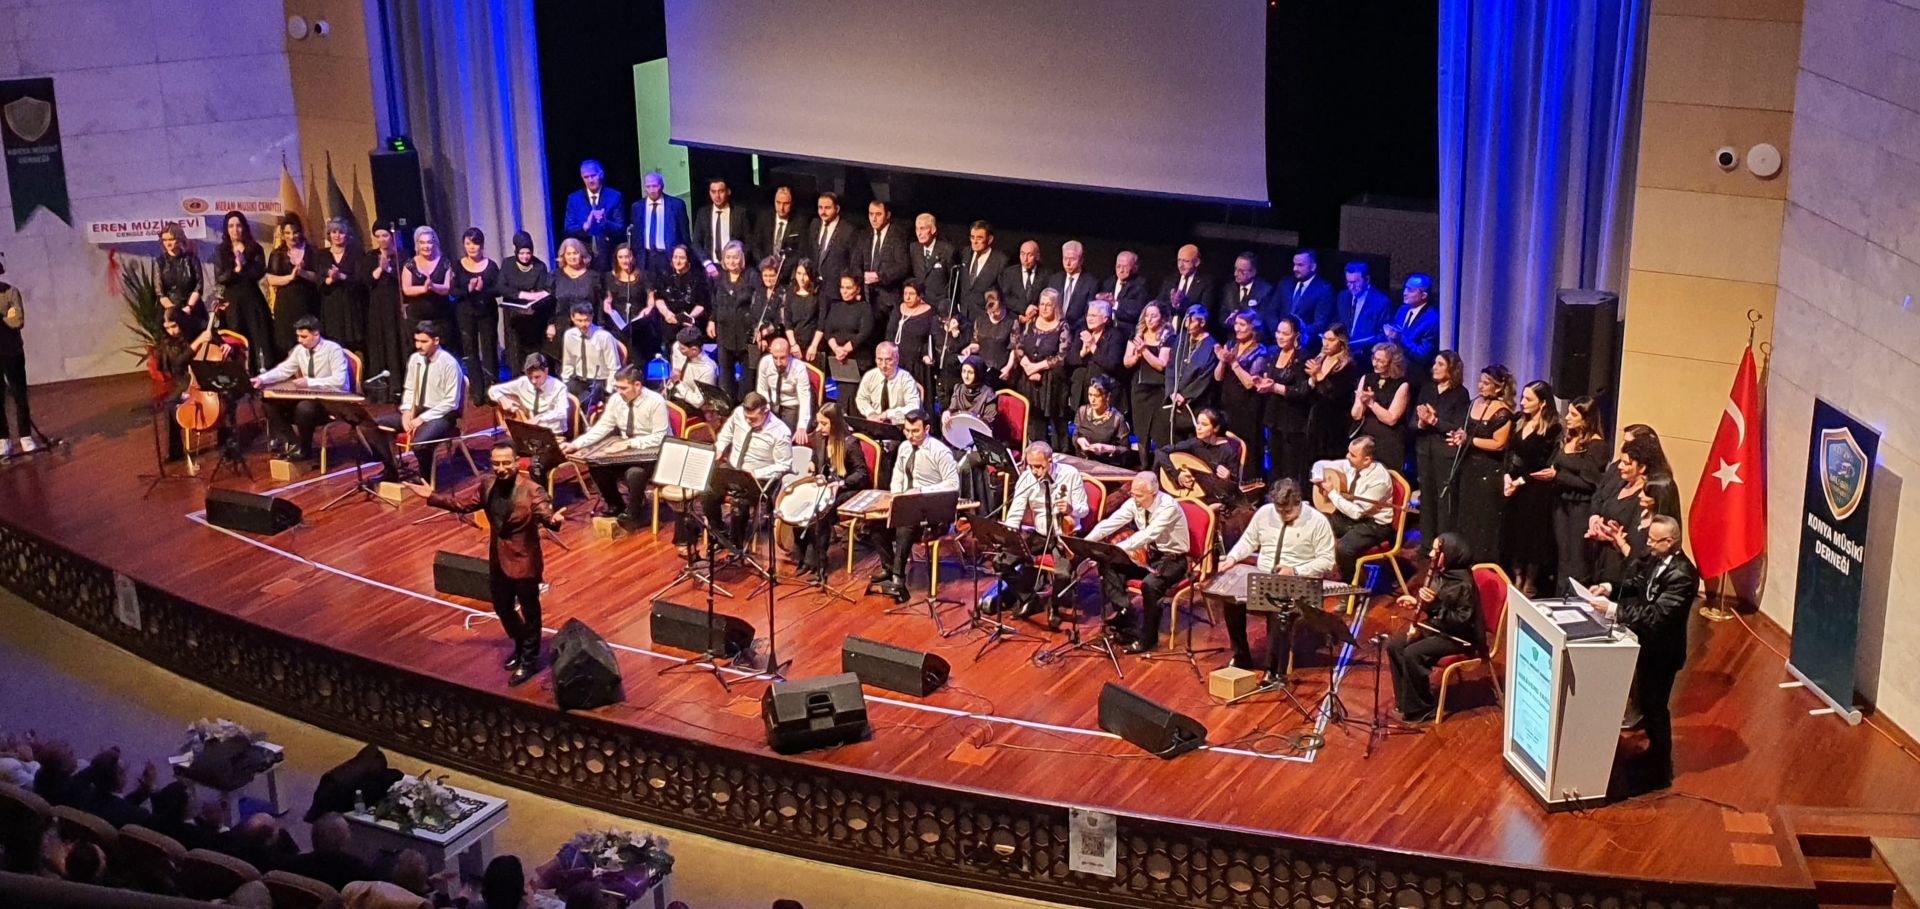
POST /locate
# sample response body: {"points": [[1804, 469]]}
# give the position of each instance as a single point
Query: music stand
{"points": [[356, 416], [995, 453], [691, 465], [844, 373], [1083, 550], [159, 412], [993, 535], [228, 379], [911, 511], [1283, 598], [877, 431], [716, 398]]}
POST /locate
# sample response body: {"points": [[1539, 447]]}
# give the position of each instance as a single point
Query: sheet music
{"points": [[523, 305], [619, 322], [685, 464]]}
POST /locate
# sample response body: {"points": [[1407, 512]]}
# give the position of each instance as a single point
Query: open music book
{"points": [[684, 463]]}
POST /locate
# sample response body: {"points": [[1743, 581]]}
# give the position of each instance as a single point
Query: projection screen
{"points": [[1138, 95]]}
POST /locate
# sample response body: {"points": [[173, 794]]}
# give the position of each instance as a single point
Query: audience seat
{"points": [[149, 860], [209, 875], [293, 891], [21, 808], [75, 824]]}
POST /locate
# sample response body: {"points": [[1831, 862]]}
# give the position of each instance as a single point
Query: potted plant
{"points": [[140, 291], [617, 861], [423, 801]]}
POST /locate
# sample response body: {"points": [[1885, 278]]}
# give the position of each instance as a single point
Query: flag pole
{"points": [[1715, 608]]}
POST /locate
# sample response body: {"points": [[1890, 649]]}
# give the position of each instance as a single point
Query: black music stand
{"points": [[1287, 601], [159, 412], [936, 510], [228, 379], [356, 416], [713, 397], [883, 433], [729, 480], [995, 453], [993, 535], [1083, 550], [845, 375], [691, 465]]}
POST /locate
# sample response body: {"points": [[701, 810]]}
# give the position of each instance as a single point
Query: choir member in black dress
{"points": [[1334, 376], [296, 288], [1209, 443], [837, 460], [238, 268], [1476, 503], [1099, 351], [1575, 472], [575, 280], [1616, 522], [1288, 406], [1148, 353], [847, 326], [525, 281], [800, 313], [685, 291], [1039, 364], [388, 344], [425, 284], [1439, 409], [343, 287], [1381, 403], [734, 319], [1190, 383], [1527, 531], [1453, 623], [630, 313], [912, 326], [476, 302], [1237, 373], [1100, 431], [991, 337], [178, 274]]}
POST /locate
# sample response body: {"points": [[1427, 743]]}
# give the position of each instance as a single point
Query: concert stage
{"points": [[336, 623]]}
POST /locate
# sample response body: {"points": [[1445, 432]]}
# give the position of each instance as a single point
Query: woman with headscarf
{"points": [[526, 291], [972, 395], [1448, 622]]}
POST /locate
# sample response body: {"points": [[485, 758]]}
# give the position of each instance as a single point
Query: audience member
{"points": [[504, 885], [331, 860], [259, 841]]}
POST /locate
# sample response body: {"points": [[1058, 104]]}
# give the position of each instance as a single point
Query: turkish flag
{"points": [[1729, 515]]}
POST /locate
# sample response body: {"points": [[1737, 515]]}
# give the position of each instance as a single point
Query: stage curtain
{"points": [[472, 80], [1539, 131]]}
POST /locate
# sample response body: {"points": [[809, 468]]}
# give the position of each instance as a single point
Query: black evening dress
{"points": [[343, 302], [294, 300], [800, 314], [1243, 406], [526, 328], [477, 315], [1477, 502], [1047, 394], [239, 280], [1332, 422], [1433, 457], [1149, 412], [642, 334], [914, 336], [1575, 476], [1108, 429], [389, 335], [1389, 439], [432, 306], [1529, 548]]}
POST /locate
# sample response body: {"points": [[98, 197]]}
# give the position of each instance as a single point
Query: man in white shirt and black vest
{"points": [[1159, 545], [1283, 537], [315, 364], [430, 402]]}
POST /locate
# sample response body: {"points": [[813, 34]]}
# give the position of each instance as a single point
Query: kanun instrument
{"points": [[614, 452]]}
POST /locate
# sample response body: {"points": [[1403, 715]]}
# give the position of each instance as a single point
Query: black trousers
{"points": [[589, 391], [426, 441], [607, 479], [13, 382], [522, 624], [1163, 570], [1236, 619], [480, 344], [305, 416], [1654, 675], [729, 360], [735, 527], [896, 546], [1356, 537], [1411, 662], [1287, 455]]}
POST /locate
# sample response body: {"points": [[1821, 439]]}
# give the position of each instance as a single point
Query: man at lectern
{"points": [[1655, 603], [1446, 622]]}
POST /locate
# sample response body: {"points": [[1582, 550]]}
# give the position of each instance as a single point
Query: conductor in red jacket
{"points": [[517, 509]]}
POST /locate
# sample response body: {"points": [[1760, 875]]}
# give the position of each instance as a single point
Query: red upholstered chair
{"points": [[1096, 503], [870, 450], [680, 426], [1199, 555], [1389, 551], [1492, 583], [818, 380], [1010, 426]]}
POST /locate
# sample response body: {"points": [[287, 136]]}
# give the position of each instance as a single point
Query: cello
{"points": [[200, 410]]}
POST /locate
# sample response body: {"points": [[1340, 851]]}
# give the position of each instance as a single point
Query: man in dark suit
{"points": [[1364, 309], [594, 214], [1199, 289], [932, 260], [1655, 603], [1127, 291], [331, 861], [1249, 292], [782, 228], [881, 260], [720, 223], [1309, 298], [658, 224], [830, 243], [1022, 282], [980, 267], [1076, 287], [517, 510], [1416, 326]]}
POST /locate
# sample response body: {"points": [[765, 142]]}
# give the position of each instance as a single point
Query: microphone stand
{"points": [[946, 337]]}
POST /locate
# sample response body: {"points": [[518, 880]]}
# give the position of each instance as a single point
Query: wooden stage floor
{"points": [[358, 579]]}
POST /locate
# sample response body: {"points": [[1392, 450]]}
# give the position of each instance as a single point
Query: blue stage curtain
{"points": [[1539, 131]]}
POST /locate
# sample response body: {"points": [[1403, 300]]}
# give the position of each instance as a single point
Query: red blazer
{"points": [[512, 545]]}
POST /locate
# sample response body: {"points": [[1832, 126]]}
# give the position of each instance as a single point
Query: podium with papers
{"points": [[1568, 671]]}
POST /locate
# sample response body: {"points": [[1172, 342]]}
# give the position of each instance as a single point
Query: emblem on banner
{"points": [[1843, 471], [29, 118]]}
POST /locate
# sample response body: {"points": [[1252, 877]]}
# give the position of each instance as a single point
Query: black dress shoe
{"points": [[1030, 608], [1136, 648], [513, 660], [521, 674], [899, 592], [1244, 662]]}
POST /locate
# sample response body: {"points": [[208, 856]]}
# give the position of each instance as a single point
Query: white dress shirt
{"points": [[1306, 547], [1163, 525], [544, 404], [324, 366], [433, 388], [1031, 495], [782, 391], [766, 452], [903, 394], [594, 357], [700, 368], [926, 468], [642, 421], [1373, 484]]}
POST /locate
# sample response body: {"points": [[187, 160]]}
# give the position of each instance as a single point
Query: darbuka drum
{"points": [[958, 429], [801, 504]]}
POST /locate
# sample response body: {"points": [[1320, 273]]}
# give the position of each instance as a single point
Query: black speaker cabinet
{"points": [[1586, 344], [1154, 728], [814, 713], [585, 674], [914, 672], [398, 193], [685, 628], [461, 576], [252, 513]]}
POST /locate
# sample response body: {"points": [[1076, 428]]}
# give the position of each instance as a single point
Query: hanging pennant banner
{"points": [[30, 134]]}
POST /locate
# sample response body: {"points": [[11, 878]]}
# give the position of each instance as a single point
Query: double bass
{"points": [[200, 410]]}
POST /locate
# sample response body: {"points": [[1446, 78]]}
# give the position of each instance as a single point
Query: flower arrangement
{"points": [[620, 861], [205, 732], [421, 801]]}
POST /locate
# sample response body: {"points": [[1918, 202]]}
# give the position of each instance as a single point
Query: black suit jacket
{"points": [[1014, 289], [1074, 306], [739, 227], [1203, 290], [1128, 303], [893, 264], [1259, 299], [1656, 602], [1315, 307], [765, 243], [673, 218], [973, 288], [834, 259], [935, 274]]}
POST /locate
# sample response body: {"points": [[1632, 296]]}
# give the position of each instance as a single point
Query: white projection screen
{"points": [[1139, 95]]}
